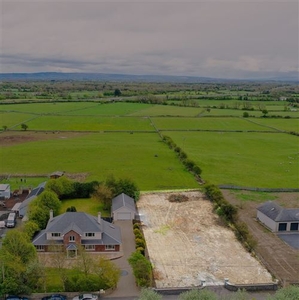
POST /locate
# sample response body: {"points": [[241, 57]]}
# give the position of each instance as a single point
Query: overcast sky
{"points": [[224, 39]]}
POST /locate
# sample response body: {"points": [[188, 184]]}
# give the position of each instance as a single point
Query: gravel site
{"points": [[187, 243]]}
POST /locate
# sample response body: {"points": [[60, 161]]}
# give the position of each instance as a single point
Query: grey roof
{"points": [[33, 194], [4, 186], [81, 223], [57, 173], [123, 200], [278, 213]]}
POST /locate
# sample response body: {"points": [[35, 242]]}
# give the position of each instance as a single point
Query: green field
{"points": [[251, 159], [142, 157], [219, 123], [107, 141]]}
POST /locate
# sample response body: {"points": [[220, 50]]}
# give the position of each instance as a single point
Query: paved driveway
{"points": [[126, 286]]}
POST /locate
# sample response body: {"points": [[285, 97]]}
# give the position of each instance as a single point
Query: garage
{"points": [[123, 208], [123, 216]]}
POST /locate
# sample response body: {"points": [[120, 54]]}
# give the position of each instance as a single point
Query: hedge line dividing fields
{"points": [[123, 139]]}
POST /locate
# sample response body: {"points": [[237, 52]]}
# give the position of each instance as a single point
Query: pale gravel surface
{"points": [[187, 243]]}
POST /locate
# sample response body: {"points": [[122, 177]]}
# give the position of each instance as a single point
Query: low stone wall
{"points": [[178, 290], [257, 287]]}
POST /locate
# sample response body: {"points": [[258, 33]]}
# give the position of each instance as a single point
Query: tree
{"points": [[288, 293], [4, 127], [117, 92], [49, 200], [24, 126], [149, 294], [17, 244], [265, 112], [198, 295], [38, 214], [30, 228], [245, 114], [103, 194]]}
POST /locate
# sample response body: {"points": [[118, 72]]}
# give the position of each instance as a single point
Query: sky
{"points": [[222, 39]]}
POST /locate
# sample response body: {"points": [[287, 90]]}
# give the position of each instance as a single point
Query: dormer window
{"points": [[55, 234], [72, 238], [89, 234]]}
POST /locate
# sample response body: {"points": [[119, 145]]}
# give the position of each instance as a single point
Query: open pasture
{"points": [[218, 123], [12, 119], [47, 108], [167, 110], [90, 123], [268, 160], [280, 124], [112, 109], [141, 157]]}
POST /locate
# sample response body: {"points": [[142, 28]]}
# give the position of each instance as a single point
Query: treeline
{"points": [[228, 214], [190, 165]]}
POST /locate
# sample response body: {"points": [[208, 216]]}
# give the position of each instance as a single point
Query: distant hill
{"points": [[48, 76]]}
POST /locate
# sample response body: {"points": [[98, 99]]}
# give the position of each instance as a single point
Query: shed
{"points": [[4, 191], [277, 218], [123, 208], [56, 174]]}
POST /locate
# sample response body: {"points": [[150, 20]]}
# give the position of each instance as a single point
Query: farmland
{"points": [[97, 137]]}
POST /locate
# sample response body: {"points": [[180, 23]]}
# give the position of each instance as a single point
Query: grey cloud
{"points": [[210, 38]]}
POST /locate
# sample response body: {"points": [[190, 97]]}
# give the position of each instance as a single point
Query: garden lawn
{"points": [[88, 205], [142, 157], [268, 160]]}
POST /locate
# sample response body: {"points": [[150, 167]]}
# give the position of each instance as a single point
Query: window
{"points": [[294, 226], [282, 227], [89, 247], [40, 248], [89, 234], [72, 238], [109, 247], [55, 234]]}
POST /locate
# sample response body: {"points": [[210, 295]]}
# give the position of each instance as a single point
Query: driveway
{"points": [[126, 286]]}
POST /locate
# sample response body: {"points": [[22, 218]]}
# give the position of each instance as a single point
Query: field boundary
{"points": [[256, 189]]}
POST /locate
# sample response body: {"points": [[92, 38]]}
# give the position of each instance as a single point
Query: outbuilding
{"points": [[123, 208], [277, 218], [4, 191]]}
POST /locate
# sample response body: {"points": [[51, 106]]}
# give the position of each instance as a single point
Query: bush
{"points": [[140, 242]]}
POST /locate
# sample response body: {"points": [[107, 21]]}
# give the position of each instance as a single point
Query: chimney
{"points": [[99, 217], [51, 214]]}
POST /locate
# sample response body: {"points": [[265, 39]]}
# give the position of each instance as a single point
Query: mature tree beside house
{"points": [[122, 185], [21, 271], [103, 194], [30, 228], [24, 126], [62, 186], [50, 201], [38, 214]]}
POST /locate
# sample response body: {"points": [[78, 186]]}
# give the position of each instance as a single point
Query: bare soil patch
{"points": [[280, 259], [9, 138], [187, 243]]}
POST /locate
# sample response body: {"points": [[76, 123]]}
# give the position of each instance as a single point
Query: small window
{"points": [[72, 238], [109, 247], [89, 234], [55, 234], [89, 247], [294, 226], [282, 227], [40, 248]]}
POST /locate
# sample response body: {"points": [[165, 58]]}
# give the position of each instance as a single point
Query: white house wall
{"points": [[267, 221]]}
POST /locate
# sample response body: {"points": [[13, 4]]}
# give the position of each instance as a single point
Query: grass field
{"points": [[90, 123], [247, 158], [142, 157], [251, 159], [219, 123]]}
